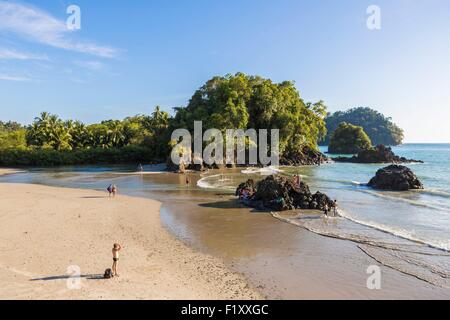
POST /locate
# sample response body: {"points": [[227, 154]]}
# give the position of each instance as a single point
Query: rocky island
{"points": [[395, 178], [378, 154], [278, 193]]}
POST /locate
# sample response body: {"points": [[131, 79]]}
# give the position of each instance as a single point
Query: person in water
{"points": [[115, 253], [140, 167]]}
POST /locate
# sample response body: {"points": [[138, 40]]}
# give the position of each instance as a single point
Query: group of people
{"points": [[297, 181], [333, 209], [112, 190], [245, 194]]}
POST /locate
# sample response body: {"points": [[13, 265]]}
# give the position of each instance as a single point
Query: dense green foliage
{"points": [[51, 157], [242, 102], [231, 102], [48, 131], [12, 135], [379, 128], [50, 141], [349, 139]]}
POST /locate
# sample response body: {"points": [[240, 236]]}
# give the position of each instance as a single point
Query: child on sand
{"points": [[115, 252], [114, 190]]}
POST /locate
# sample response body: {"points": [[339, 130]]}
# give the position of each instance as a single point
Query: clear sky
{"points": [[129, 56]]}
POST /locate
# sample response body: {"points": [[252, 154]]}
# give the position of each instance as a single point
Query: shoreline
{"points": [[58, 230], [6, 171], [300, 264]]}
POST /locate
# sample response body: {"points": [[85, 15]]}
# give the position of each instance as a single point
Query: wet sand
{"points": [[282, 260], [5, 171], [48, 233]]}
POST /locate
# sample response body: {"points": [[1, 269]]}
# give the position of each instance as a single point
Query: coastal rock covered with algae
{"points": [[396, 178], [280, 194], [379, 154]]}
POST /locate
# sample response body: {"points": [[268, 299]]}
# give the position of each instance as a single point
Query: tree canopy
{"points": [[379, 128], [349, 139], [241, 102]]}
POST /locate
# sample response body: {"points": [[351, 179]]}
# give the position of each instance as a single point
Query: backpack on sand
{"points": [[108, 274]]}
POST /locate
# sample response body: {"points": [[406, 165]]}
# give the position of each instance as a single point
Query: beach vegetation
{"points": [[379, 128], [349, 139]]}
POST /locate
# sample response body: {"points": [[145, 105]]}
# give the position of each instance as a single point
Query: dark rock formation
{"points": [[379, 154], [396, 178], [305, 156], [280, 194]]}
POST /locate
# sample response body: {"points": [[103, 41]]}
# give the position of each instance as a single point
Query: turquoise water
{"points": [[422, 216], [418, 215]]}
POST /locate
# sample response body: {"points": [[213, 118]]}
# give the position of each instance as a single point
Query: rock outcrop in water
{"points": [[280, 194], [396, 178], [379, 154], [303, 157]]}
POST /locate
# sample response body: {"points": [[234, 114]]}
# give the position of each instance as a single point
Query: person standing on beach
{"points": [[335, 209], [114, 190], [110, 189], [326, 210], [115, 252]]}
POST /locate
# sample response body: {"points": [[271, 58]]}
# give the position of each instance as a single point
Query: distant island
{"points": [[349, 139], [379, 128]]}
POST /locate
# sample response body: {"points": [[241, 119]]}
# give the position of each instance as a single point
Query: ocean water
{"points": [[407, 231], [422, 216], [418, 215]]}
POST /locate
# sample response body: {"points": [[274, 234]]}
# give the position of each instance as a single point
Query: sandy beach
{"points": [[48, 233], [4, 171]]}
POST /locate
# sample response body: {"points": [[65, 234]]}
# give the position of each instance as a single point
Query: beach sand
{"points": [[4, 171], [46, 233]]}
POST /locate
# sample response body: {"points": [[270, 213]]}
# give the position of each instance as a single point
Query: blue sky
{"points": [[132, 55]]}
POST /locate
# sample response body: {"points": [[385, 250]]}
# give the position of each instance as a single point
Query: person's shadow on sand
{"points": [[65, 277]]}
